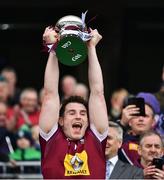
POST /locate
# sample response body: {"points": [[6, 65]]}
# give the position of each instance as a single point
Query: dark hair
{"points": [[8, 69], [73, 99], [24, 134]]}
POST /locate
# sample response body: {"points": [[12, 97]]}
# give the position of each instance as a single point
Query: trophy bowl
{"points": [[69, 20], [71, 49]]}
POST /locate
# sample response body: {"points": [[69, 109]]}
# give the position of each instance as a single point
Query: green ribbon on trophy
{"points": [[71, 50]]}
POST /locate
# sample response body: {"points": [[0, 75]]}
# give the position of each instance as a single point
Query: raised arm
{"points": [[50, 108], [97, 105]]}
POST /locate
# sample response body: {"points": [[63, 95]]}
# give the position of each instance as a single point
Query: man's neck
{"points": [[111, 156], [144, 163]]}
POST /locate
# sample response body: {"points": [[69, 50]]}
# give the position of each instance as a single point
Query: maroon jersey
{"points": [[81, 159]]}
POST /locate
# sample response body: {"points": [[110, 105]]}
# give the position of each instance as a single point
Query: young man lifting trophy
{"points": [[73, 132]]}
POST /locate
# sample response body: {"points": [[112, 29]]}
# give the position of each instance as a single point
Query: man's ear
{"points": [[120, 143], [61, 121], [130, 123], [139, 150], [153, 123]]}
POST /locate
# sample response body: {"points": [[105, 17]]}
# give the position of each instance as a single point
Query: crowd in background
{"points": [[20, 109]]}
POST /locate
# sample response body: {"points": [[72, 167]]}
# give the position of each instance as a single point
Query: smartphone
{"points": [[140, 103], [158, 162]]}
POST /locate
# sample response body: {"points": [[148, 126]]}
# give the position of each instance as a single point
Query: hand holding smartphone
{"points": [[140, 103], [158, 162]]}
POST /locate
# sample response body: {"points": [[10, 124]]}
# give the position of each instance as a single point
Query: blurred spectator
{"points": [[4, 89], [138, 126], [25, 151], [116, 103], [81, 90], [150, 147], [129, 110], [117, 168], [27, 112], [159, 127], [7, 141], [68, 83], [14, 92]]}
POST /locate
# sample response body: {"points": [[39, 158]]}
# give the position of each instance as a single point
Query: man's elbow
{"points": [[98, 92]]}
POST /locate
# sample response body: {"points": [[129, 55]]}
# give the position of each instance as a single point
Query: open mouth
{"points": [[108, 146], [77, 125]]}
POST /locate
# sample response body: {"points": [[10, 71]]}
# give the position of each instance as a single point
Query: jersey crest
{"points": [[76, 164]]}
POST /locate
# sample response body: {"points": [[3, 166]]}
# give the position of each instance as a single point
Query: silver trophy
{"points": [[71, 49]]}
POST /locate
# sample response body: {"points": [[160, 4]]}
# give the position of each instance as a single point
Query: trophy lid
{"points": [[69, 20]]}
